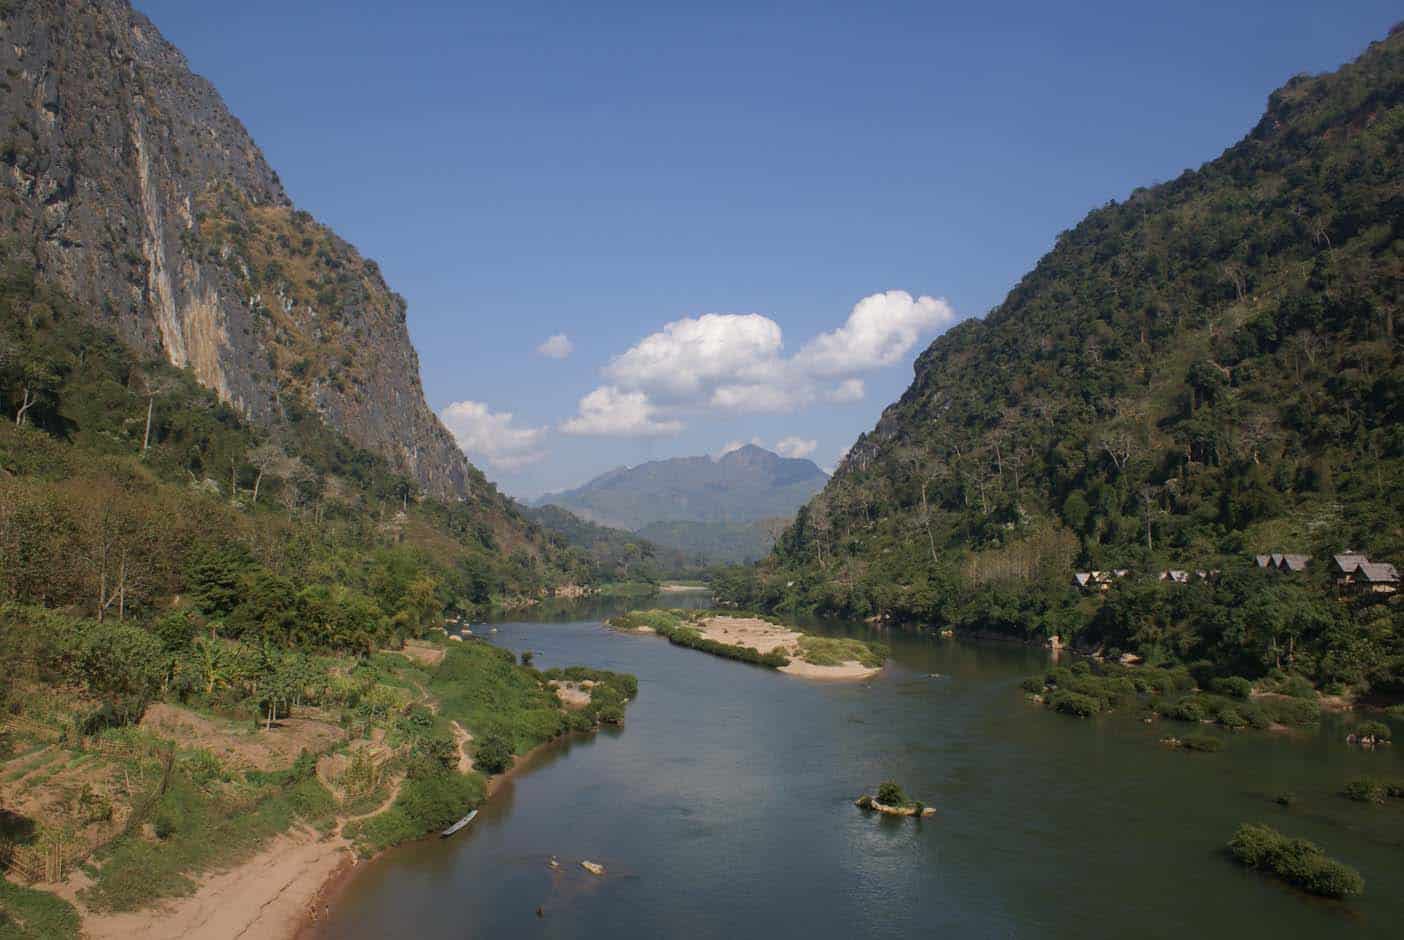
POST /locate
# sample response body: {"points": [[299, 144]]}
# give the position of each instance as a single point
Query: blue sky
{"points": [[603, 170]]}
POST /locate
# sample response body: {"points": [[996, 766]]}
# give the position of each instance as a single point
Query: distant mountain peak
{"points": [[747, 484]]}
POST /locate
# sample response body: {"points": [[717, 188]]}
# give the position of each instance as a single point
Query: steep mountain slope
{"points": [[745, 485], [616, 555], [128, 185], [721, 543], [1210, 368]]}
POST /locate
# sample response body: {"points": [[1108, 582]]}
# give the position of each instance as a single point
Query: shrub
{"points": [[1365, 790], [1202, 742], [434, 803], [493, 753], [1295, 861], [1230, 718], [1075, 704], [890, 794], [1233, 687], [1293, 712], [1033, 684], [1188, 709]]}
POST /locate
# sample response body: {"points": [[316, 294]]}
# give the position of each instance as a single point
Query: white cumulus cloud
{"points": [[881, 329], [492, 436], [556, 347], [760, 397], [846, 392], [613, 412], [689, 356], [730, 362], [795, 447]]}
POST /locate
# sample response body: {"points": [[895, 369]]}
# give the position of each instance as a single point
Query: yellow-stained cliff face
{"points": [[124, 180]]}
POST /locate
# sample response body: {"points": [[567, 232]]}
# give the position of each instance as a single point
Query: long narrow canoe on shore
{"points": [[458, 825]]}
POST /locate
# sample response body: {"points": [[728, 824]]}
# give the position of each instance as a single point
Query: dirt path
{"points": [[385, 804], [465, 761]]}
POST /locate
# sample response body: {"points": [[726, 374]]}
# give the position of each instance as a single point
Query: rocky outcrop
{"points": [[911, 809], [125, 181]]}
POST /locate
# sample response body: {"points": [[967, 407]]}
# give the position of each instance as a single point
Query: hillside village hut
{"points": [[1297, 563], [1178, 577], [1098, 580], [1377, 577], [1346, 564]]}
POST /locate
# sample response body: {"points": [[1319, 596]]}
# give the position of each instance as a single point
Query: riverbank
{"points": [[314, 906], [763, 642], [270, 895]]}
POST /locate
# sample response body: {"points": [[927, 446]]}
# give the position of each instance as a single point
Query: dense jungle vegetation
{"points": [[1206, 370]]}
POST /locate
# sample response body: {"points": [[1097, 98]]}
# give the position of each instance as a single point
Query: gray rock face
{"points": [[125, 180]]}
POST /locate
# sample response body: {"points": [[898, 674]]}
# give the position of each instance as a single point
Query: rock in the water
{"points": [[594, 868]]}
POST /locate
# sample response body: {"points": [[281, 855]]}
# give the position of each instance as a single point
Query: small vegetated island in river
{"points": [[1178, 693], [755, 639]]}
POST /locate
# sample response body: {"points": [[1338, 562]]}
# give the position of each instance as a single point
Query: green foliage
{"points": [[615, 555], [1292, 712], [1366, 790], [890, 794], [437, 802], [200, 830], [483, 687], [1232, 686], [493, 753], [834, 651], [1296, 861], [31, 914], [1074, 703], [1202, 742], [609, 694]]}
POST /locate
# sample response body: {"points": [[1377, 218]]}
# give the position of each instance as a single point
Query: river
{"points": [[723, 809]]}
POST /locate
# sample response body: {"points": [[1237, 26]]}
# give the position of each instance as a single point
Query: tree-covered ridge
{"points": [[616, 555], [1206, 370]]}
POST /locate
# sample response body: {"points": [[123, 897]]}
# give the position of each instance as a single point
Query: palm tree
{"points": [[213, 663]]}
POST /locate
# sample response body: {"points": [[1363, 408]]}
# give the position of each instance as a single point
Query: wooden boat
{"points": [[458, 825]]}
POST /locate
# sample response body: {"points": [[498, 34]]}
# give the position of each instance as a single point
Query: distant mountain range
{"points": [[725, 508]]}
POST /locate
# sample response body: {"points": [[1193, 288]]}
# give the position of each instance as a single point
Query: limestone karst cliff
{"points": [[125, 181]]}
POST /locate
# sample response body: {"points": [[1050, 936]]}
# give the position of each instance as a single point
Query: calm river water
{"points": [[724, 809]]}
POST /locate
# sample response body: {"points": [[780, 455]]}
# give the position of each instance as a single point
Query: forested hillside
{"points": [[616, 555], [116, 472], [1206, 370]]}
